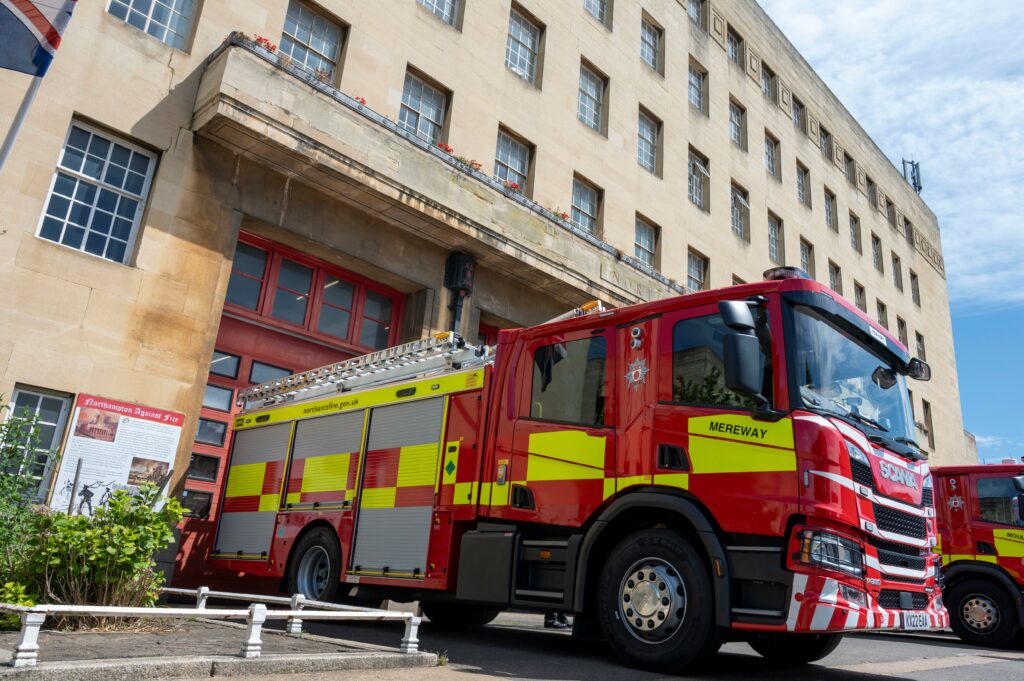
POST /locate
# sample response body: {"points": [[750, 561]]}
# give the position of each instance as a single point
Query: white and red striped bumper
{"points": [[817, 605]]}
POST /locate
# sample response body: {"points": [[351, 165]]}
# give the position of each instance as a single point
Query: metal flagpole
{"points": [[19, 118]]}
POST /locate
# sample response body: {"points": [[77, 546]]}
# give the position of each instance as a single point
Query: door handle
{"points": [[672, 457], [522, 497]]}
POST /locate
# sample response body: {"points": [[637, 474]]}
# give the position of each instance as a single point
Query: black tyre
{"points": [[982, 613], [315, 566], [655, 603], [794, 649], [459, 614]]}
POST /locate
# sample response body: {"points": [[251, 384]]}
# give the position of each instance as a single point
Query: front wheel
{"points": [[655, 603], [315, 567], [982, 613], [794, 649]]}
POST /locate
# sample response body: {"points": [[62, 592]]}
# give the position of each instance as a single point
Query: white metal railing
{"points": [[26, 652]]}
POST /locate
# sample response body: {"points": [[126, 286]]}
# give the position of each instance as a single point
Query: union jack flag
{"points": [[30, 33]]}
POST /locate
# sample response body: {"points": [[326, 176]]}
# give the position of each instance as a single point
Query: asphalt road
{"points": [[516, 646]]}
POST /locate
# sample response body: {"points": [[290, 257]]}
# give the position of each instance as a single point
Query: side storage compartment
{"points": [[324, 462]]}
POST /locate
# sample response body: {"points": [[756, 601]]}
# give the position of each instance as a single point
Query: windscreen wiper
{"points": [[869, 421]]}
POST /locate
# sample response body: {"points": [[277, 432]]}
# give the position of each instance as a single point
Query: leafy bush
{"points": [[19, 441], [13, 593], [106, 559]]}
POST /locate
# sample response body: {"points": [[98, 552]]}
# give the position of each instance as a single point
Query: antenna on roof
{"points": [[912, 174]]}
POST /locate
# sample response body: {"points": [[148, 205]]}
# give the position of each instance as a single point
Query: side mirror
{"points": [[742, 357], [736, 315], [883, 377], [918, 369], [1018, 482]]}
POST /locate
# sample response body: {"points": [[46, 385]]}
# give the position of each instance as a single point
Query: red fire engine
{"points": [[729, 464], [981, 538]]}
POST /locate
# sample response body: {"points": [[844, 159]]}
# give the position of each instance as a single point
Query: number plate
{"points": [[915, 620]]}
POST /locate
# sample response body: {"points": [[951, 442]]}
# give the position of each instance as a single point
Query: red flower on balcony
{"points": [[563, 215], [266, 44], [445, 148], [514, 186], [361, 100]]}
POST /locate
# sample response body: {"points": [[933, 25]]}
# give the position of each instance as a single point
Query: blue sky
{"points": [[943, 82]]}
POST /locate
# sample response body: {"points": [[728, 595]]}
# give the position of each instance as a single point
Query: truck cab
{"points": [[981, 530]]}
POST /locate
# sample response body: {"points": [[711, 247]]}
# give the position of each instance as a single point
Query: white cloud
{"points": [[995, 447], [940, 82]]}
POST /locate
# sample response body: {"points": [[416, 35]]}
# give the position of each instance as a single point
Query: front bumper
{"points": [[817, 605]]}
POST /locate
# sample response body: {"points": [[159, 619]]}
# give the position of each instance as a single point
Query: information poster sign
{"points": [[120, 446]]}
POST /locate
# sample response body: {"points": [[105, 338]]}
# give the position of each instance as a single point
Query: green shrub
{"points": [[13, 594], [106, 559]]}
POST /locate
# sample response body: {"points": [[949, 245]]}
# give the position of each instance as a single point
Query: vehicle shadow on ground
{"points": [[514, 652]]}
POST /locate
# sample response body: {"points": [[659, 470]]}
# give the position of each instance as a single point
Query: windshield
{"points": [[838, 374]]}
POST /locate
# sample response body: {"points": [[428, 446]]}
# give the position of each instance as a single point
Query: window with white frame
{"points": [[586, 202], [169, 21], [734, 47], [855, 239], [835, 277], [901, 331], [831, 215], [51, 411], [771, 156], [860, 297], [697, 180], [423, 109], [648, 129], [312, 40], [740, 212], [589, 106], [650, 44], [799, 114], [915, 289], [696, 271], [598, 9], [737, 125], [695, 90], [512, 161], [446, 10], [768, 82], [825, 142], [522, 46], [803, 184], [695, 10], [775, 249], [98, 194], [883, 313], [807, 257], [645, 242], [920, 347]]}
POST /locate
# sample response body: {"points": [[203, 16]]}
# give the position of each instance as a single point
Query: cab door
{"points": [[563, 440]]}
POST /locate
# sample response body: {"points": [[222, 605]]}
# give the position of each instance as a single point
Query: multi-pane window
{"points": [[697, 180], [915, 289], [927, 409], [860, 297], [803, 185], [825, 142], [831, 212], [769, 83], [876, 253], [740, 212], [98, 193], [586, 203], [522, 46], [648, 130], [311, 40], [423, 109], [695, 89], [737, 124], [598, 9], [734, 47], [883, 313], [872, 190], [835, 277], [920, 347], [168, 21], [645, 242], [51, 412], [696, 271], [775, 248], [901, 330], [771, 155], [897, 271], [799, 113], [807, 257], [650, 44], [695, 10], [512, 161], [446, 10], [855, 239], [850, 169], [589, 106], [295, 291]]}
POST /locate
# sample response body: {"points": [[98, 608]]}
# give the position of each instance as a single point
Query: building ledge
{"points": [[283, 117]]}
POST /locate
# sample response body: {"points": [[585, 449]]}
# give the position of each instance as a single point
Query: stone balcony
{"points": [[284, 118]]}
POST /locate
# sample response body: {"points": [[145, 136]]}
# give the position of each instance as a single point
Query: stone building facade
{"points": [[187, 210]]}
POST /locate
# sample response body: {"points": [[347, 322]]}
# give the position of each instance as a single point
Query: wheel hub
{"points": [[980, 613], [652, 600], [313, 572]]}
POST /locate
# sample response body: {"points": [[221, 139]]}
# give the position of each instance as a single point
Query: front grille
{"points": [[904, 580], [898, 555], [891, 520], [926, 497], [890, 600], [862, 473]]}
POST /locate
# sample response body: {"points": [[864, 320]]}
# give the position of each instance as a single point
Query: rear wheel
{"points": [[982, 613], [655, 604], [459, 614], [315, 567], [794, 649]]}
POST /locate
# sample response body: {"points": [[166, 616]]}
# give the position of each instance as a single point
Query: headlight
{"points": [[927, 483], [831, 552], [856, 454]]}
